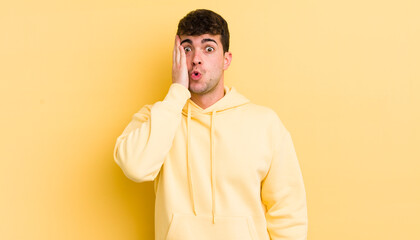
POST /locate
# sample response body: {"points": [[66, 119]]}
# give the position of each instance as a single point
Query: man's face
{"points": [[205, 61]]}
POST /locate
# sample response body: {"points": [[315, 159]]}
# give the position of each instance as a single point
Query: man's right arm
{"points": [[142, 147]]}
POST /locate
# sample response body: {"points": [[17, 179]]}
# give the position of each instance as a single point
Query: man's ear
{"points": [[227, 60]]}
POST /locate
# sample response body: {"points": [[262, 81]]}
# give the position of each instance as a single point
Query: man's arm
{"points": [[283, 192], [142, 147]]}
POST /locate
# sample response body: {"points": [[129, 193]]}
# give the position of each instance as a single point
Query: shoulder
{"points": [[267, 116]]}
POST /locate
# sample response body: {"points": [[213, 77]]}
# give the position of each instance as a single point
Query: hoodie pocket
{"points": [[186, 227]]}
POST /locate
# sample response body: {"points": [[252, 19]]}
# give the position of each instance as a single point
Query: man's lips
{"points": [[195, 75]]}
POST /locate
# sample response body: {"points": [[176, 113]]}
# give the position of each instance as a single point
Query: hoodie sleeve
{"points": [[141, 149], [283, 192]]}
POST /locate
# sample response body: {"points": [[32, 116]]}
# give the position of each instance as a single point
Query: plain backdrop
{"points": [[343, 77]]}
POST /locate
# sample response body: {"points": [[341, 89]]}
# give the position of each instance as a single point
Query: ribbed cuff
{"points": [[177, 96]]}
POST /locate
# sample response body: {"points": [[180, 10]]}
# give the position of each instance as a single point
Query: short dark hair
{"points": [[203, 21]]}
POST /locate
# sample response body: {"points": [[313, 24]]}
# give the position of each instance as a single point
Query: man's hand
{"points": [[179, 64]]}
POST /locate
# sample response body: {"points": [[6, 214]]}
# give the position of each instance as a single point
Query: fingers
{"points": [[178, 46], [183, 60], [174, 51], [179, 57], [179, 66]]}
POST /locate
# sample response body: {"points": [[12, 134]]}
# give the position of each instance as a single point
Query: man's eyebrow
{"points": [[208, 40], [186, 40], [202, 41]]}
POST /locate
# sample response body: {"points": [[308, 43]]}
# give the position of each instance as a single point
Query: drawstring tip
{"points": [[213, 220]]}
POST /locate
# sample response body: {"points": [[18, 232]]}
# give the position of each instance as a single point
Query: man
{"points": [[223, 167]]}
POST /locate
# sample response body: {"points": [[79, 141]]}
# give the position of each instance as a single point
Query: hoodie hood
{"points": [[231, 99]]}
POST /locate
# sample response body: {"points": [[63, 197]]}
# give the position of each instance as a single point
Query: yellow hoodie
{"points": [[227, 172]]}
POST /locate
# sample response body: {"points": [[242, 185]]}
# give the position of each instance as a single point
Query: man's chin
{"points": [[197, 88]]}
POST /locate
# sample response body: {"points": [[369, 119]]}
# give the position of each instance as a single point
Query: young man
{"points": [[223, 167]]}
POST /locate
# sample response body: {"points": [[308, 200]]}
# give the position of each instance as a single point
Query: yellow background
{"points": [[343, 76]]}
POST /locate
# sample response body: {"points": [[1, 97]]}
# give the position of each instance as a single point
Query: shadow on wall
{"points": [[137, 200]]}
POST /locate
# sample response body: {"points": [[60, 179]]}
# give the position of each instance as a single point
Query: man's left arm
{"points": [[283, 193]]}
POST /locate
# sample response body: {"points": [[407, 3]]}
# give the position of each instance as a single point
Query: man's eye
{"points": [[209, 49], [187, 49]]}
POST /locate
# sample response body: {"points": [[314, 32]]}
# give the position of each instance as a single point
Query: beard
{"points": [[202, 88]]}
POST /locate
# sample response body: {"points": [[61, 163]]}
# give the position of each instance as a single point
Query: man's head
{"points": [[202, 21], [204, 36]]}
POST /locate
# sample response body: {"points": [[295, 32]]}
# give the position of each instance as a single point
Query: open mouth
{"points": [[195, 75]]}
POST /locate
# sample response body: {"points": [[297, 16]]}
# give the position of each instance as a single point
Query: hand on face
{"points": [[179, 64]]}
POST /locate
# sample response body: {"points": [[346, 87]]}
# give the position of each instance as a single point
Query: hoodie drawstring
{"points": [[212, 156], [188, 159], [213, 178]]}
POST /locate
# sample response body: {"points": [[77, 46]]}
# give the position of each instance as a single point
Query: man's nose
{"points": [[196, 58]]}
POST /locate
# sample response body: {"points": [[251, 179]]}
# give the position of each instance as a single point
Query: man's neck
{"points": [[208, 99]]}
